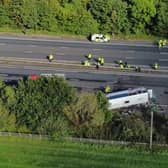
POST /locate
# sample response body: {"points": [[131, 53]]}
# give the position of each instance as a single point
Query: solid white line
{"points": [[60, 54], [97, 49], [164, 53], [163, 59], [129, 57], [2, 44], [32, 45], [63, 47]]}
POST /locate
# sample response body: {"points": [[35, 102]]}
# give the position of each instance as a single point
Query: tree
{"points": [[4, 16], [160, 21], [86, 115], [119, 17], [141, 13], [130, 127], [40, 103], [101, 11]]}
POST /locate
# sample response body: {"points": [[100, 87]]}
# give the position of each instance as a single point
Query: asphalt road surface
{"points": [[135, 54]]}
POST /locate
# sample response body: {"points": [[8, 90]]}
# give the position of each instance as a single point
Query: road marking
{"points": [[64, 47], [60, 54], [96, 49], [166, 59], [2, 44], [164, 53], [32, 45], [129, 57], [28, 52], [129, 51]]}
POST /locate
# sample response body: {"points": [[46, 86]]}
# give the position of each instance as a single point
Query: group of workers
{"points": [[162, 43], [123, 65], [99, 61]]}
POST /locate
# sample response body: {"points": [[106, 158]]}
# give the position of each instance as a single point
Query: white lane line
{"points": [[164, 53], [32, 45], [28, 52], [60, 54], [129, 51], [64, 47], [163, 59], [129, 57], [2, 44], [96, 49]]}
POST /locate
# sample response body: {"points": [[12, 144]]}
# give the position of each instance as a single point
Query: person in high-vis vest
{"points": [[89, 56], [86, 63], [164, 42], [121, 66], [107, 89], [102, 61], [50, 57], [155, 66]]}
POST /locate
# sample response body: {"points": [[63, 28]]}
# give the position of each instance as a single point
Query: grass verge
{"points": [[35, 153], [10, 30]]}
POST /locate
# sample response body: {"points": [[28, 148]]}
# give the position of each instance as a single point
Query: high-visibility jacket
{"points": [[160, 43], [107, 89], [164, 42], [99, 59], [121, 66], [86, 63], [51, 57], [89, 56], [120, 62], [155, 66], [102, 61]]}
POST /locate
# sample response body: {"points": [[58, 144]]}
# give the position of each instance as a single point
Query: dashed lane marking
{"points": [[60, 54], [28, 52], [129, 57]]}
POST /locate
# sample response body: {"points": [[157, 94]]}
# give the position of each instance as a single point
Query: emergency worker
{"points": [[89, 56], [121, 66], [107, 89], [86, 63], [160, 43], [164, 42], [155, 66], [99, 59], [50, 57], [102, 61], [120, 62], [97, 65], [138, 69]]}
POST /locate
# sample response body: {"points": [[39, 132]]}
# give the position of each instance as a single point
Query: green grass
{"points": [[34, 153]]}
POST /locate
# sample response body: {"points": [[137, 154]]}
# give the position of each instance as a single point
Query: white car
{"points": [[100, 38]]}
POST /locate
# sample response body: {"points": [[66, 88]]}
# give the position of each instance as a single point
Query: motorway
{"points": [[135, 54]]}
